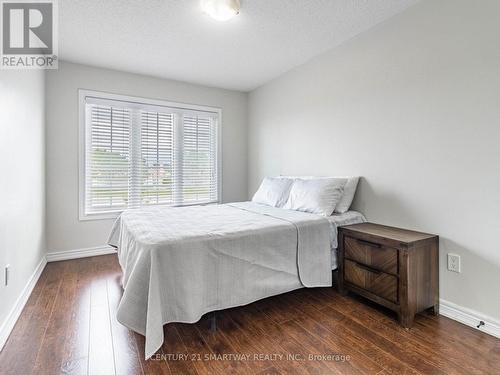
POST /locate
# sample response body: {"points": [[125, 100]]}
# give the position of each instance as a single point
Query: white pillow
{"points": [[273, 191], [318, 196], [348, 196]]}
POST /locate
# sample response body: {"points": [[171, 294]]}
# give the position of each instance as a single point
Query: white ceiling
{"points": [[174, 39]]}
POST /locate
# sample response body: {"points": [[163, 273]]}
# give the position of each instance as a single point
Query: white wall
{"points": [[22, 181], [413, 106], [64, 230]]}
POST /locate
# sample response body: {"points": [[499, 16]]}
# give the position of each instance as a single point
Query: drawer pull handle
{"points": [[367, 243], [369, 269]]}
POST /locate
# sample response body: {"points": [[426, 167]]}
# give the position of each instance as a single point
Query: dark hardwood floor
{"points": [[68, 326]]}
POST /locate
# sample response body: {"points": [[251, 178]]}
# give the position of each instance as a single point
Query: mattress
{"points": [[338, 220]]}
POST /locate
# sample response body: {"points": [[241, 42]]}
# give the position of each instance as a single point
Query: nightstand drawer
{"points": [[374, 281], [372, 254]]}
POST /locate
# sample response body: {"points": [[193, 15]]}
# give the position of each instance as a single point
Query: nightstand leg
{"points": [[406, 319], [435, 309], [340, 286]]}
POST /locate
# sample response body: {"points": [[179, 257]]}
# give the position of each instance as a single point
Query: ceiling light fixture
{"points": [[221, 10]]}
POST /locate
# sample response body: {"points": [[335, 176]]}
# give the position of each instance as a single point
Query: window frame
{"points": [[82, 138]]}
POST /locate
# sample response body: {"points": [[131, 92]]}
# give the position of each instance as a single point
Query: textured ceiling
{"points": [[174, 39]]}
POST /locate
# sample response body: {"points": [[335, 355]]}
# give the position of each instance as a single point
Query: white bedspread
{"points": [[180, 263]]}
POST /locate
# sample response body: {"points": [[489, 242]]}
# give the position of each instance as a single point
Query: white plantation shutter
{"points": [[157, 158], [199, 159], [107, 159], [139, 154]]}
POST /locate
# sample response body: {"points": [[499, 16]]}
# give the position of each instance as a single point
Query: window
{"points": [[137, 152]]}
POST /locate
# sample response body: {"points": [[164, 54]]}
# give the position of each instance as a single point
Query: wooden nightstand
{"points": [[396, 268]]}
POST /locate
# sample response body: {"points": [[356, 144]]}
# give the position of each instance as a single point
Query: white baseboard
{"points": [[10, 321], [80, 253], [469, 317]]}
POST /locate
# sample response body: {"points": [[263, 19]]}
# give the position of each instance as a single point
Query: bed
{"points": [[180, 263]]}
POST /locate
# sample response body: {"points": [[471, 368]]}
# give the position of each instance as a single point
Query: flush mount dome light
{"points": [[221, 10]]}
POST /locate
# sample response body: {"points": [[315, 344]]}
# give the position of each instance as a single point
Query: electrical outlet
{"points": [[454, 263], [7, 270]]}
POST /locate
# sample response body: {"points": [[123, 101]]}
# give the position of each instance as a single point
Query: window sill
{"points": [[104, 216], [114, 215]]}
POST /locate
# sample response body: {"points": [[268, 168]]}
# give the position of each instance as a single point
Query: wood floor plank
{"points": [[69, 326], [260, 342], [101, 356], [277, 309], [50, 354], [198, 348], [240, 342], [219, 345], [318, 348], [269, 371], [286, 340], [267, 326], [76, 347], [173, 347]]}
